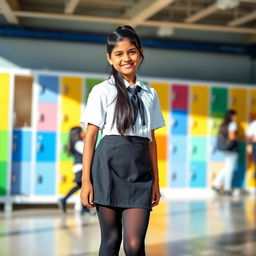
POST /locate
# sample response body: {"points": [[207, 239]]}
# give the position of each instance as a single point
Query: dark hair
{"points": [[74, 136], [227, 119], [123, 111]]}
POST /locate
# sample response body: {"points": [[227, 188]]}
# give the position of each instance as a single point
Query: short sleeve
{"points": [[251, 131], [95, 110], [157, 120], [232, 127]]}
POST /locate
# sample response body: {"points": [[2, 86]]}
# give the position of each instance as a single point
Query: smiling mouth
{"points": [[127, 65]]}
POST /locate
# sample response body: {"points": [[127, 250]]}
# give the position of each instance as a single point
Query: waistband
{"points": [[132, 139]]}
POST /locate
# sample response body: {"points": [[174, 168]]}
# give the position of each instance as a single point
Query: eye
{"points": [[133, 52], [118, 54]]}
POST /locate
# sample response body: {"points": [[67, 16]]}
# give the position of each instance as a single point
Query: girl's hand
{"points": [[155, 194], [86, 195]]}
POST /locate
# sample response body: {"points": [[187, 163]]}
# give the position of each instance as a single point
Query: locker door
{"points": [[215, 123], [64, 156], [177, 175], [89, 83], [200, 100], [45, 178], [162, 147], [46, 146], [48, 88], [178, 149], [198, 125], [219, 99], [198, 149], [179, 97], [4, 147], [20, 180], [71, 91], [47, 117], [21, 146], [179, 119], [4, 101], [66, 177], [238, 101], [3, 178], [197, 175]]}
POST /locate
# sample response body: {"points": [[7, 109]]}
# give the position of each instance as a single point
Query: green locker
{"points": [[64, 156], [198, 149], [219, 100], [3, 178], [4, 145], [89, 83]]}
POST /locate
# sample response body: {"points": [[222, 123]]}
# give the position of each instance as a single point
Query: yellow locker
{"points": [[71, 98], [199, 109], [66, 177], [162, 90], [199, 100], [4, 101], [238, 102]]}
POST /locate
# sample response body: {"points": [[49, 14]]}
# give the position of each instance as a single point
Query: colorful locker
{"points": [[21, 162], [162, 90], [71, 106], [4, 130], [46, 136]]}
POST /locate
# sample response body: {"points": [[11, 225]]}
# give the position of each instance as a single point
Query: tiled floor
{"points": [[214, 227]]}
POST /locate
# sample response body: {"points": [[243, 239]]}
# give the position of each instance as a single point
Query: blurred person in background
{"points": [[227, 143], [251, 138], [75, 149]]}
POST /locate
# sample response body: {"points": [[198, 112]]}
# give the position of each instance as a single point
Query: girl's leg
{"points": [[71, 192], [135, 223], [231, 160], [220, 177], [111, 230]]}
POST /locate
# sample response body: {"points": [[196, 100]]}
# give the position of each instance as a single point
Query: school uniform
{"points": [[121, 169]]}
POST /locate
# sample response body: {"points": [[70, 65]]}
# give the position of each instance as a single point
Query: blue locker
{"points": [[215, 154], [197, 175], [198, 148], [45, 178], [48, 88], [239, 175], [21, 150], [178, 150], [20, 178], [177, 175], [179, 122], [46, 146]]}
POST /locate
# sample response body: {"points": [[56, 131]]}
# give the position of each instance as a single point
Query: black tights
{"points": [[134, 222]]}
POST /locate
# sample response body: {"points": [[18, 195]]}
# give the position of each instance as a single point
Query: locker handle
{"points": [[40, 147], [213, 98], [14, 146], [39, 179], [174, 176], [193, 123], [253, 101], [63, 178], [194, 97], [174, 122], [41, 89], [65, 118], [13, 178], [193, 175], [194, 149], [174, 96], [234, 100], [174, 148], [41, 118], [213, 124], [65, 89]]}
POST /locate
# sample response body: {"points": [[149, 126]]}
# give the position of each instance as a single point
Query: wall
{"points": [[85, 57]]}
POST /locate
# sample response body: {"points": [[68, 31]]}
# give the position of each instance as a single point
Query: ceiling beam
{"points": [[71, 6], [242, 20], [144, 9], [149, 23], [202, 14], [14, 4], [8, 12]]}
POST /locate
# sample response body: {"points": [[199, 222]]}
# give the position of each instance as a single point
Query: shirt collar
{"points": [[138, 83]]}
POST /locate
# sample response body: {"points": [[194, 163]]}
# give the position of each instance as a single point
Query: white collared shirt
{"points": [[251, 131], [101, 106]]}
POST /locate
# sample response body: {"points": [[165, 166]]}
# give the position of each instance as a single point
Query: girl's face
{"points": [[234, 118], [125, 58]]}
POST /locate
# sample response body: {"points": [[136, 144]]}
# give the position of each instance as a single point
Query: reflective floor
{"points": [[218, 226]]}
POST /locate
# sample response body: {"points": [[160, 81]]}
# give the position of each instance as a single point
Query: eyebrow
{"points": [[119, 51]]}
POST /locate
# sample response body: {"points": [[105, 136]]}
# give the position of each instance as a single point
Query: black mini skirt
{"points": [[122, 172]]}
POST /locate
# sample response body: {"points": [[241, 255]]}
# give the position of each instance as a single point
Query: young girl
{"points": [[229, 130], [121, 177], [75, 148]]}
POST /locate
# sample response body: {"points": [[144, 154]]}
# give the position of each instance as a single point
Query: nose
{"points": [[126, 57]]}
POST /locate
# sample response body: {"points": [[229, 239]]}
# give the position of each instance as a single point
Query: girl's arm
{"points": [[153, 159], [90, 139]]}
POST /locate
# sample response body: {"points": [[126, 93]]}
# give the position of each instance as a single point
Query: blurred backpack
{"points": [[223, 143]]}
